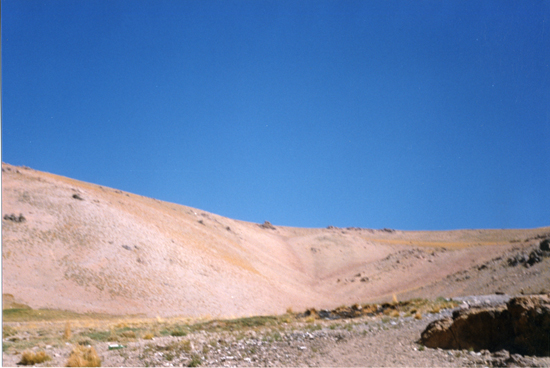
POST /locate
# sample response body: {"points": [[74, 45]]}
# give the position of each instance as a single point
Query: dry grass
{"points": [[310, 319], [82, 356], [30, 358], [129, 334], [67, 333]]}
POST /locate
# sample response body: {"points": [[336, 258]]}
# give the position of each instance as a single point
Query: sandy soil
{"points": [[88, 248]]}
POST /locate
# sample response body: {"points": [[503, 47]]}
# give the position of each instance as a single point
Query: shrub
{"points": [[418, 315], [148, 336], [30, 358], [83, 357]]}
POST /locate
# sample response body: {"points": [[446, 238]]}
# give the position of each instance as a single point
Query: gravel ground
{"points": [[366, 341]]}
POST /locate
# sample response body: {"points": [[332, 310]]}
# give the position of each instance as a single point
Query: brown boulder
{"points": [[531, 324], [523, 327], [472, 329]]}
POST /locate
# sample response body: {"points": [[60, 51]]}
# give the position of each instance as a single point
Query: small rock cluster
{"points": [[15, 218], [527, 259], [267, 225]]}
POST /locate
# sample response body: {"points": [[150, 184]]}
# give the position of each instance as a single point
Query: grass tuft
{"points": [[178, 332], [195, 361], [128, 334], [30, 358], [82, 356], [67, 333]]}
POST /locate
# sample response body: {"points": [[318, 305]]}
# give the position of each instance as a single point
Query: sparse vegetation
{"points": [[178, 331], [129, 334], [27, 314], [195, 361], [271, 329], [8, 331]]}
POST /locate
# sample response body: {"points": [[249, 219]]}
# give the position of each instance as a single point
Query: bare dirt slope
{"points": [[88, 248]]}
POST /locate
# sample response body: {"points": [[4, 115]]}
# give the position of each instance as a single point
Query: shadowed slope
{"points": [[84, 247]]}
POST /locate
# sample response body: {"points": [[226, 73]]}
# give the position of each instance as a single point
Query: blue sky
{"points": [[414, 115]]}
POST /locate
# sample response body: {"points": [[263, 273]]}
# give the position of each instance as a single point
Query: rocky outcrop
{"points": [[522, 327], [528, 259], [267, 225], [531, 323]]}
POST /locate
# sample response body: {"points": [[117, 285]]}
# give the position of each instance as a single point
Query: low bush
{"points": [[30, 358], [82, 356]]}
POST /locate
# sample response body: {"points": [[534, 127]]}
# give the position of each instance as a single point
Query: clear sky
{"points": [[414, 115]]}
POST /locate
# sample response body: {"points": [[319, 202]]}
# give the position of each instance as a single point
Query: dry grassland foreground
{"points": [[360, 335]]}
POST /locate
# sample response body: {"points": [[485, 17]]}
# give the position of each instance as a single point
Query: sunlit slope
{"points": [[84, 247]]}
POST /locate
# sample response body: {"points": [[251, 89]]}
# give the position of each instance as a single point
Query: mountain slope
{"points": [[85, 247]]}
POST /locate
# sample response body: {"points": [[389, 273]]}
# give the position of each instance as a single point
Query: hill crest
{"points": [[88, 248]]}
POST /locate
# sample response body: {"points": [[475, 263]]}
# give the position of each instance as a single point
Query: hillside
{"points": [[87, 248]]}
